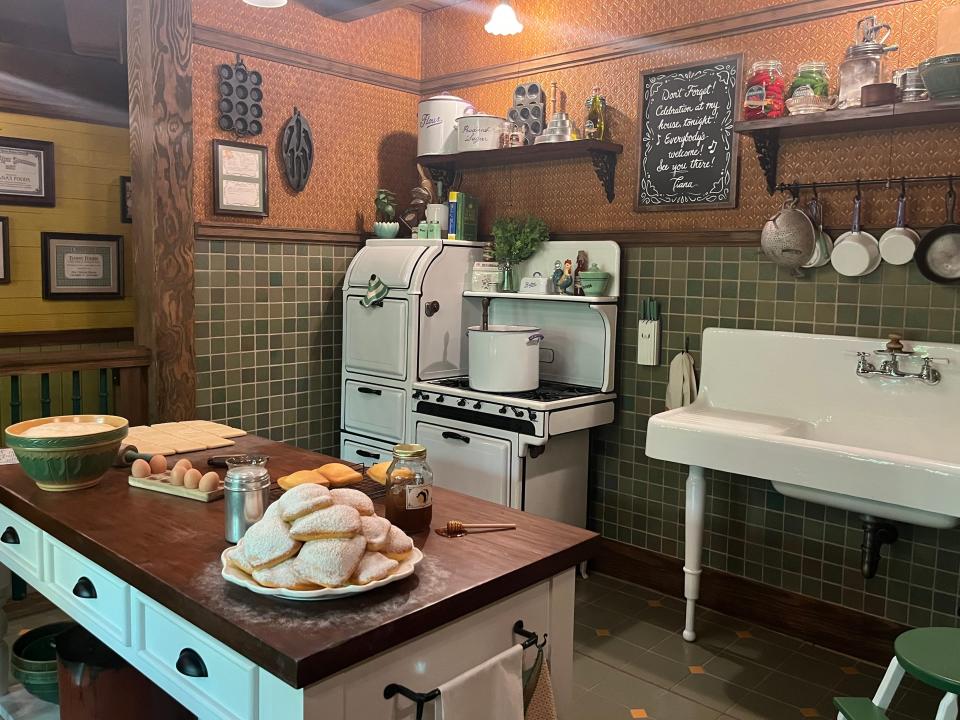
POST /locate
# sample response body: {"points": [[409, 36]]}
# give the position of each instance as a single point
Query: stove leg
{"points": [[582, 569], [696, 502]]}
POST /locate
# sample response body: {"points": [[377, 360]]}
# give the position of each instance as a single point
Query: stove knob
{"points": [[531, 414], [417, 394], [503, 410], [517, 412], [439, 398], [424, 396], [461, 402], [477, 405]]}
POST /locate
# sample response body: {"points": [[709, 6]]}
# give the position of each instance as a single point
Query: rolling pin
{"points": [[127, 454]]}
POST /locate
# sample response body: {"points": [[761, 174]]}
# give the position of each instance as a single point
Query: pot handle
{"points": [[534, 339]]}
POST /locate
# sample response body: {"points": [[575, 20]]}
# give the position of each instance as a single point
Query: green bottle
{"points": [[595, 128]]}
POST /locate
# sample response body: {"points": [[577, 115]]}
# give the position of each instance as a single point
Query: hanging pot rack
{"points": [[889, 183]]}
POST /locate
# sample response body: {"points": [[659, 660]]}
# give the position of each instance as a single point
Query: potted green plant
{"points": [[385, 203], [516, 240]]}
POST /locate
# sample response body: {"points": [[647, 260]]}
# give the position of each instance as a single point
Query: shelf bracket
{"points": [[446, 175], [767, 143], [605, 165]]}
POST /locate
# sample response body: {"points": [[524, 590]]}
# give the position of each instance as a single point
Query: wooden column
{"points": [[159, 39]]}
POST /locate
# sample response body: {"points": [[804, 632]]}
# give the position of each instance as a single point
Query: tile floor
{"points": [[631, 662]]}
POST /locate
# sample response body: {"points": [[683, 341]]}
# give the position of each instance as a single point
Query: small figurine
{"points": [[566, 278], [581, 267], [557, 274]]}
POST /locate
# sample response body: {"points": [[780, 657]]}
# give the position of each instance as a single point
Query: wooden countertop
{"points": [[169, 548]]}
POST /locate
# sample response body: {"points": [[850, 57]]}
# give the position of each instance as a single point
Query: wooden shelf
{"points": [[767, 134], [602, 154], [598, 300]]}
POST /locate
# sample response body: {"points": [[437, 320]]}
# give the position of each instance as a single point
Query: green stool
{"points": [[932, 655]]}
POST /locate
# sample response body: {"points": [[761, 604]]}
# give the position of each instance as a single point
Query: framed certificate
{"points": [[5, 250], [81, 267], [26, 172], [239, 179], [126, 199]]}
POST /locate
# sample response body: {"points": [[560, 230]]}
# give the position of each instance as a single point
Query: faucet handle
{"points": [[929, 374], [864, 366]]}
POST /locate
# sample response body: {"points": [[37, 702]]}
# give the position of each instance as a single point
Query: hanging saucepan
{"points": [[938, 254]]}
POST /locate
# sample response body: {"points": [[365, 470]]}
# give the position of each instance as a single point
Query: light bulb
{"points": [[503, 21]]}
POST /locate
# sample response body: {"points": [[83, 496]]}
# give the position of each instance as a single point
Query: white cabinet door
{"points": [[375, 338], [374, 410], [467, 462]]}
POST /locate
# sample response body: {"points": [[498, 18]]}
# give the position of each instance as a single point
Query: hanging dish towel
{"points": [[682, 385], [493, 689], [538, 690], [376, 291]]}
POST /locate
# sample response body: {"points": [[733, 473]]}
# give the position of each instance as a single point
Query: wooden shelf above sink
{"points": [[602, 154], [767, 134]]}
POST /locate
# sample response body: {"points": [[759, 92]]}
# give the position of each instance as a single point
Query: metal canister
{"points": [[246, 493]]}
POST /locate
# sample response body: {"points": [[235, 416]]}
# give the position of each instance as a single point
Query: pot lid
{"points": [[446, 96], [481, 115], [504, 329]]}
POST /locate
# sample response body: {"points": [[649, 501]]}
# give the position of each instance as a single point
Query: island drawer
{"points": [[21, 546], [97, 599], [374, 410], [202, 673]]}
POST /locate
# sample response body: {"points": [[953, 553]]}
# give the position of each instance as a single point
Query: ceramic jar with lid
{"points": [[863, 62], [764, 97]]}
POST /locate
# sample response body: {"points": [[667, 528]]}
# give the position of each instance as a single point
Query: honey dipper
{"points": [[455, 528]]}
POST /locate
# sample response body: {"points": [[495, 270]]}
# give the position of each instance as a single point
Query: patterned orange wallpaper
{"points": [[364, 138], [568, 195], [389, 41]]}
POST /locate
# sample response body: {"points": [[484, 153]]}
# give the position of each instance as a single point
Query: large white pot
{"points": [[479, 132], [504, 358], [437, 123]]}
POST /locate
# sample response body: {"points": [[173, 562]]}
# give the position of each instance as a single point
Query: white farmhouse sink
{"points": [[790, 408]]}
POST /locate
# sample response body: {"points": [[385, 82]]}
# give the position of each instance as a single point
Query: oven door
{"points": [[468, 462]]}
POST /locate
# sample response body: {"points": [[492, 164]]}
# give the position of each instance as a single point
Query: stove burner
{"points": [[545, 393]]}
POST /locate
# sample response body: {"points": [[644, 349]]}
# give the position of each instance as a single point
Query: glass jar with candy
{"points": [[766, 87]]}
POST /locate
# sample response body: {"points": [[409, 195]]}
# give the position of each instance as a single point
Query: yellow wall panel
{"points": [[89, 162]]}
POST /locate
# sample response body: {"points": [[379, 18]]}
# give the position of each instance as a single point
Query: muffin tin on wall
{"points": [[240, 106]]}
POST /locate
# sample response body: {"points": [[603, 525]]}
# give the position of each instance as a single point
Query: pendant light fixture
{"points": [[266, 3], [503, 20]]}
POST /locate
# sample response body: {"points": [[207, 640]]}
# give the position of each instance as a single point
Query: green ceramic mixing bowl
{"points": [[69, 462], [941, 75], [33, 660]]}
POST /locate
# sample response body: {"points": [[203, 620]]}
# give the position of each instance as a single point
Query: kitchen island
{"points": [[161, 603]]}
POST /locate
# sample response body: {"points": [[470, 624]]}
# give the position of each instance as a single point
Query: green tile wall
{"points": [[751, 530], [268, 331]]}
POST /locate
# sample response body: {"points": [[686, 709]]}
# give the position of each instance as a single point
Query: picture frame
{"points": [[716, 189], [81, 266], [5, 249], [27, 174], [126, 199], [240, 181]]}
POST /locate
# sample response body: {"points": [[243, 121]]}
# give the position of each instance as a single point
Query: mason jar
{"points": [[409, 500]]}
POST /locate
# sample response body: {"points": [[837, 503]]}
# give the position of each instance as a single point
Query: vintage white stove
{"points": [[405, 375]]}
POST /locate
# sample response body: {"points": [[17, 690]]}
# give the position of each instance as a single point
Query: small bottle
{"points": [[422, 231], [409, 499], [595, 128]]}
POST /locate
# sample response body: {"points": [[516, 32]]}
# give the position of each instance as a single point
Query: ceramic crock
{"points": [[437, 123], [479, 132]]}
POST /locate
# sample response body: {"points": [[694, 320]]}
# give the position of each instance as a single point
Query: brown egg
{"points": [[140, 468], [158, 464], [176, 475], [210, 482], [184, 463], [191, 478]]}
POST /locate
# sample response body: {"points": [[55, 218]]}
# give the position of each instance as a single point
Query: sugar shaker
{"points": [[246, 492]]}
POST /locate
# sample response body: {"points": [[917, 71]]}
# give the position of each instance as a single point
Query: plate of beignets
{"points": [[314, 544]]}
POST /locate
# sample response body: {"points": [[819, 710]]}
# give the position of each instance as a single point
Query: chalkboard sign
{"points": [[688, 150]]}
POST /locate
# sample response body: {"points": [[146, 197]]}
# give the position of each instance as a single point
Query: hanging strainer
{"points": [[788, 238]]}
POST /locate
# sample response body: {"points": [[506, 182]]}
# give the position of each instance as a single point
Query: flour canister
{"points": [[479, 132], [438, 123]]}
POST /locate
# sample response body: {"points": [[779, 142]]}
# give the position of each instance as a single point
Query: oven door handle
{"points": [[450, 435]]}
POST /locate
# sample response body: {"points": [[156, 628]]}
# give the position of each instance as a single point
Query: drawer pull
{"points": [[191, 664], [368, 454], [448, 435], [10, 537], [369, 391], [85, 589]]}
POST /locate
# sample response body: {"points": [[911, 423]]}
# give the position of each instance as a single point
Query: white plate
{"points": [[238, 577]]}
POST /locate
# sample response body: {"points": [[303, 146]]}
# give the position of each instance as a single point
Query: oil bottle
{"points": [[595, 128]]}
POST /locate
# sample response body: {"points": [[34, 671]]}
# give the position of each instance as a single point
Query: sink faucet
{"points": [[890, 366]]}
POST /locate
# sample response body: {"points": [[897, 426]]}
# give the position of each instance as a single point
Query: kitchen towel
{"points": [[541, 705], [682, 383], [492, 689]]}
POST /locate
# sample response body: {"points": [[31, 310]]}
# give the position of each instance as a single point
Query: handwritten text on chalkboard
{"points": [[688, 150]]}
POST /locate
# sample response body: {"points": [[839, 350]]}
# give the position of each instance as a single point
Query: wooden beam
{"points": [[36, 338], [239, 232], [159, 38], [35, 363]]}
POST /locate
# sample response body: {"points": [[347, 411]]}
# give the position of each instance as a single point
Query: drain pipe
{"points": [[876, 534]]}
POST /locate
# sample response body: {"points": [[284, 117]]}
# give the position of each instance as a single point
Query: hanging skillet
{"points": [[938, 254]]}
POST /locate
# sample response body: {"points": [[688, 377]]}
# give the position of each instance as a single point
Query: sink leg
{"points": [[696, 502]]}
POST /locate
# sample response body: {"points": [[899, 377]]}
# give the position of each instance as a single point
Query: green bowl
{"points": [[941, 75], [594, 282], [33, 660], [70, 462]]}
